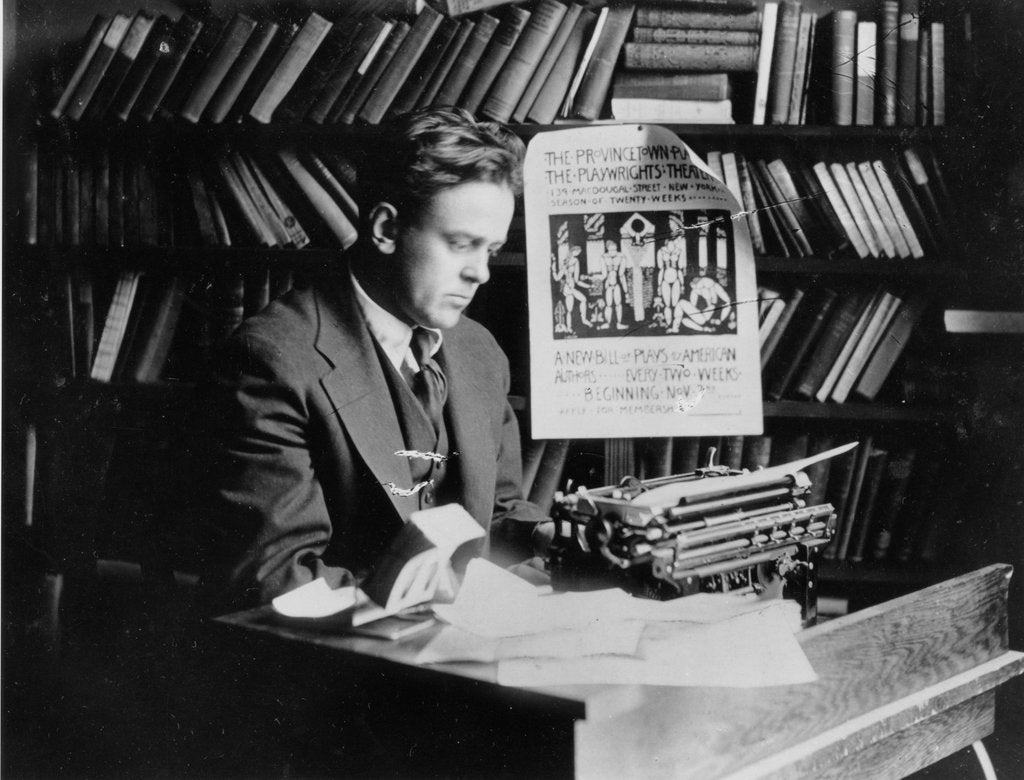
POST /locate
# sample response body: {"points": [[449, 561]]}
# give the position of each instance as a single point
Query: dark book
{"points": [[890, 346], [83, 337], [373, 33], [590, 99], [171, 57], [158, 323], [88, 47], [802, 67], [345, 112], [223, 56], [832, 234], [840, 479], [300, 51], [423, 72], [329, 211], [692, 57], [192, 67], [654, 456], [447, 61], [523, 60], [664, 16], [866, 518], [838, 207], [685, 454], [70, 204], [311, 82], [324, 173], [922, 105], [274, 229], [101, 58], [494, 57], [552, 94], [818, 471], [866, 68], [889, 505], [831, 99], [855, 495], [833, 338], [462, 70], [547, 62], [549, 478], [120, 65], [400, 67], [777, 240], [242, 69], [731, 454], [158, 45], [788, 447], [677, 35], [115, 203], [672, 86], [806, 335], [266, 66], [115, 325], [782, 326], [780, 82], [29, 185], [927, 194], [799, 204], [906, 62], [784, 208], [295, 235], [886, 66], [757, 451]]}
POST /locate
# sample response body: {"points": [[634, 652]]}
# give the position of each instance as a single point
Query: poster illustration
{"points": [[642, 292]]}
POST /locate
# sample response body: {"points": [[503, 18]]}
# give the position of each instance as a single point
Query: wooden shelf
{"points": [[857, 412]]}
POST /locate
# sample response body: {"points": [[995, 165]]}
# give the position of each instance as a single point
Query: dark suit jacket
{"points": [[308, 436]]}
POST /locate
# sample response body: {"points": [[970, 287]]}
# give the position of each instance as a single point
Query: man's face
{"points": [[441, 257]]}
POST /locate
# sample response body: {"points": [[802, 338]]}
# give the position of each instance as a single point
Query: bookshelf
{"points": [[931, 423]]}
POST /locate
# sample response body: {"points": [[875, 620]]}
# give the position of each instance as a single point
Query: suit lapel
{"points": [[358, 391]]}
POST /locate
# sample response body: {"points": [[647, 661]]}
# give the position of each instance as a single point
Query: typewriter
{"points": [[712, 530]]}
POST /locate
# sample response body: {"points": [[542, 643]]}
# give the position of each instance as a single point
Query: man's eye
{"points": [[461, 246]]}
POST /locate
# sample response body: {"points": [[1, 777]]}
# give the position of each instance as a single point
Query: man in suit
{"points": [[348, 404]]}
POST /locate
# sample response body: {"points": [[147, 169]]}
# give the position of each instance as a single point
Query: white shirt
{"points": [[393, 335]]}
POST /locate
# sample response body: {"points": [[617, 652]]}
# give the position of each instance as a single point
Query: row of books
{"points": [[123, 195], [899, 208], [888, 495], [825, 346], [532, 62]]}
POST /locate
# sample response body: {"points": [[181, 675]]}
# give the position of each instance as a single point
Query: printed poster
{"points": [[642, 290]]}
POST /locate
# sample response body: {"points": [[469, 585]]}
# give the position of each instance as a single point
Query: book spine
{"points": [[886, 70], [937, 74], [922, 106], [784, 208], [696, 57], [91, 43], [545, 108], [750, 205], [783, 62], [494, 58], [369, 32], [423, 73], [400, 66], [368, 63], [854, 206], [765, 51], [98, 64], [794, 360], [547, 62], [368, 82], [159, 40], [463, 7], [676, 35], [801, 67], [451, 55], [660, 16], [115, 325], [299, 53], [328, 210], [898, 210], [462, 70], [313, 78], [781, 327], [671, 86], [906, 66], [890, 347], [855, 497], [523, 60], [224, 55], [864, 100], [876, 325], [845, 217], [242, 69], [119, 66], [597, 78], [885, 212], [186, 31], [836, 334], [193, 65], [881, 235], [844, 66]]}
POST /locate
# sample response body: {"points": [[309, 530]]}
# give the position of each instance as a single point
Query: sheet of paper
{"points": [[314, 600], [453, 644], [447, 527], [753, 650]]}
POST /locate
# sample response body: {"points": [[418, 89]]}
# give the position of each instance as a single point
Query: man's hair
{"points": [[424, 152]]}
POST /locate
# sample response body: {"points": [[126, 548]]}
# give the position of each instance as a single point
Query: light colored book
{"points": [[864, 100], [974, 321], [835, 199], [882, 236], [889, 220], [899, 212], [854, 207], [694, 112], [769, 20], [880, 319]]}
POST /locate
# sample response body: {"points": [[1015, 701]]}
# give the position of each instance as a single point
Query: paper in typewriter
{"points": [[642, 289]]}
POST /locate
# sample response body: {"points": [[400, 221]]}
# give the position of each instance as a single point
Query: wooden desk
{"points": [[900, 686]]}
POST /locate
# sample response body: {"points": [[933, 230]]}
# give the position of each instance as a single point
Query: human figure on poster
{"points": [[568, 274], [671, 260], [707, 306], [615, 274]]}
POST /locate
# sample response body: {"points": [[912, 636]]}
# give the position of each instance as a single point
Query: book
{"points": [[451, 55], [275, 231], [938, 215], [115, 325], [589, 100], [975, 321], [892, 495], [400, 66], [463, 7], [531, 46], [238, 198], [771, 304], [383, 44], [810, 329], [788, 447], [671, 86], [690, 35], [191, 68], [866, 65], [553, 93], [264, 69], [841, 177], [890, 346], [807, 225], [882, 205], [865, 518], [693, 57], [749, 203], [494, 57], [847, 518], [547, 62], [318, 71], [322, 203], [886, 65], [88, 47], [695, 112], [102, 56], [665, 16], [367, 34], [937, 73], [840, 479], [775, 233], [824, 390], [802, 67], [783, 62], [325, 175], [874, 219], [731, 176], [835, 335], [906, 62], [157, 324], [241, 70], [781, 326], [296, 235], [172, 56], [757, 452], [120, 65], [157, 45], [236, 34], [300, 51], [839, 207], [784, 209], [818, 471], [583, 62], [922, 104], [462, 69], [345, 111], [731, 453], [548, 479], [409, 571], [765, 52], [684, 454], [865, 346], [831, 233], [714, 160], [423, 72], [843, 62]]}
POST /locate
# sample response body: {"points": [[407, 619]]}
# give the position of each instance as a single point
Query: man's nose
{"points": [[478, 269]]}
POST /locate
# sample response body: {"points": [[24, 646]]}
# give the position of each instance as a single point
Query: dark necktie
{"points": [[429, 385]]}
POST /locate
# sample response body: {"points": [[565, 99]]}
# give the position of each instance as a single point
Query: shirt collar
{"points": [[391, 333]]}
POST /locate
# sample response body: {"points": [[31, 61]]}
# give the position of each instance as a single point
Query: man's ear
{"points": [[384, 227]]}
